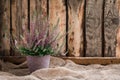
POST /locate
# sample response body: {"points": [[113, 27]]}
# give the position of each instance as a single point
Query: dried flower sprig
{"points": [[39, 41]]}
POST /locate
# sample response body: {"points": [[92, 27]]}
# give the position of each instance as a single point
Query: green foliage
{"points": [[38, 51]]}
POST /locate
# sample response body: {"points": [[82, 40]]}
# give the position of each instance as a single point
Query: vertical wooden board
{"points": [[16, 22], [93, 27], [75, 37], [13, 25], [19, 18], [41, 9], [1, 24], [16, 17], [110, 27], [118, 43], [13, 12], [32, 9], [57, 10], [41, 5], [118, 31], [24, 17], [5, 28], [36, 6], [25, 13]]}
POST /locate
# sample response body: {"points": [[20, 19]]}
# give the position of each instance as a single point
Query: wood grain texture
{"points": [[19, 19], [16, 17], [118, 31], [32, 9], [94, 60], [110, 27], [5, 29], [15, 26], [1, 27], [1, 24], [25, 13], [41, 9], [14, 10], [36, 8], [41, 5], [57, 10], [75, 37], [93, 25], [101, 15]]}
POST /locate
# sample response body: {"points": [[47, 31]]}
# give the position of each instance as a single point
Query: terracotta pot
{"points": [[38, 62]]}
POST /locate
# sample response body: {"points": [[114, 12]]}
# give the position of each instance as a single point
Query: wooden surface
{"points": [[118, 32], [13, 13], [40, 6], [6, 28], [57, 11], [75, 20], [97, 26], [93, 28], [1, 28], [32, 8], [94, 60], [36, 7], [111, 21], [25, 13], [19, 18]]}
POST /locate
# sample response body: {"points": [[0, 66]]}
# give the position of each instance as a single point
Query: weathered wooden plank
{"points": [[41, 5], [93, 28], [94, 60], [15, 29], [13, 25], [13, 13], [16, 17], [75, 37], [1, 24], [110, 26], [37, 7], [118, 44], [41, 9], [25, 13], [32, 9], [118, 32], [6, 29], [2, 5], [57, 10], [19, 19]]}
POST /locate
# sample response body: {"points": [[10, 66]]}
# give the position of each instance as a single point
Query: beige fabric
{"points": [[61, 70]]}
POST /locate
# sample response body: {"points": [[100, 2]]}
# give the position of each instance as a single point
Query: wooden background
{"points": [[94, 24]]}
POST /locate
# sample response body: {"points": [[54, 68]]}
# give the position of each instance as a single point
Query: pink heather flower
{"points": [[39, 34]]}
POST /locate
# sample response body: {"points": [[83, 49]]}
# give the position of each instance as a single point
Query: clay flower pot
{"points": [[38, 62]]}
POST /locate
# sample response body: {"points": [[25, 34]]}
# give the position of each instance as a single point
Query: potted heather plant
{"points": [[38, 43]]}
